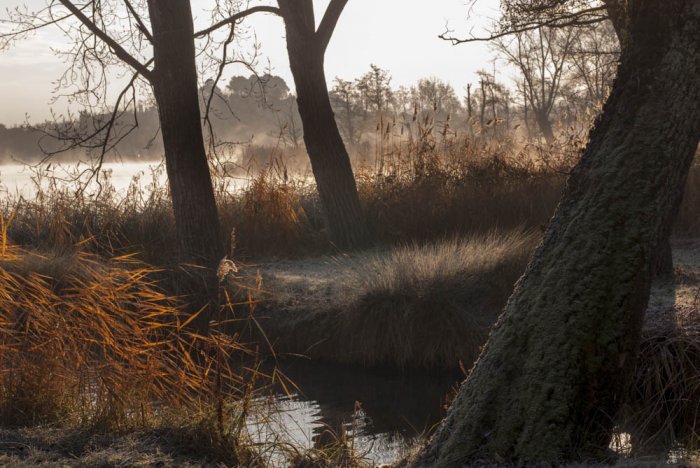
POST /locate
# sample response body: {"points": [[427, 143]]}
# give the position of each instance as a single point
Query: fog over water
{"points": [[18, 180]]}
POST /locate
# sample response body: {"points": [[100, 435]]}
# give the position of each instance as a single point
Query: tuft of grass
{"points": [[432, 305], [414, 306], [664, 401]]}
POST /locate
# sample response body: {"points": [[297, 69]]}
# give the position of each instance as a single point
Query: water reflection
{"points": [[380, 412]]}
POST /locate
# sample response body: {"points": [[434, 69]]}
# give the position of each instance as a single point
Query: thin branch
{"points": [[139, 21], [36, 27], [585, 17], [329, 21], [238, 16], [119, 51]]}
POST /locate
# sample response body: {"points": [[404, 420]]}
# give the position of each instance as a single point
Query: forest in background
{"points": [[561, 87]]}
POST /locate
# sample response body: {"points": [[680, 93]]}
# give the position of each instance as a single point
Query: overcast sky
{"points": [[398, 35]]}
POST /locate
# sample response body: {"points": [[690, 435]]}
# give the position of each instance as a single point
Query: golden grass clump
{"points": [[433, 305], [96, 342]]}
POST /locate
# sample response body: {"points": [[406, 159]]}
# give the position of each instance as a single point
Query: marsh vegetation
{"points": [[313, 296]]}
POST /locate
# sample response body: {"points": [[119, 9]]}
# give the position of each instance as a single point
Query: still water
{"points": [[22, 180], [382, 412]]}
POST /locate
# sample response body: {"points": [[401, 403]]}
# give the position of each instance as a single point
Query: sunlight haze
{"points": [[398, 35]]}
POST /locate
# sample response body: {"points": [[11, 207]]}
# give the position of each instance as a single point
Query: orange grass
{"points": [[98, 342]]}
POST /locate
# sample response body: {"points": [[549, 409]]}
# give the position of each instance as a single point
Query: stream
{"points": [[382, 412]]}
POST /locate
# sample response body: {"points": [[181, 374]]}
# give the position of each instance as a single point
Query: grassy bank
{"points": [[413, 306], [432, 306]]}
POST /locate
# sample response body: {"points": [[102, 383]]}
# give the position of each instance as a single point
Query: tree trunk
{"points": [[351, 128], [482, 109], [469, 102], [549, 381], [330, 161], [663, 259], [544, 125], [175, 89]]}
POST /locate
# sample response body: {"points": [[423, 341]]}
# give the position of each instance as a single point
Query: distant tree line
{"points": [[563, 83]]}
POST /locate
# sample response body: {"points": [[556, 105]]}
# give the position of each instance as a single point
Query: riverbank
{"points": [[415, 306], [417, 279], [432, 307]]}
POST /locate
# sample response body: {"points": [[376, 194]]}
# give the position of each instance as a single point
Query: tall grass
{"points": [[664, 402], [414, 306], [96, 343]]}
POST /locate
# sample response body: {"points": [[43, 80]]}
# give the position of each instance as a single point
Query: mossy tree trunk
{"points": [[549, 381], [175, 88], [330, 161], [663, 261]]}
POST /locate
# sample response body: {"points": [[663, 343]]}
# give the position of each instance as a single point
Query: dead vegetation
{"points": [[90, 338], [426, 306]]}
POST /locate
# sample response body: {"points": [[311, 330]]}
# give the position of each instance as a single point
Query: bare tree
{"points": [[551, 378], [492, 99], [541, 56], [375, 89], [344, 97], [330, 161], [594, 57], [108, 34], [435, 94]]}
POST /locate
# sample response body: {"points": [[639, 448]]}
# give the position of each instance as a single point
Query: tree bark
{"points": [[663, 260], [330, 161], [549, 382], [175, 88]]}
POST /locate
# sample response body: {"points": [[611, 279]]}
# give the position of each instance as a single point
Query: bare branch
{"points": [[139, 21], [238, 16], [584, 17], [329, 21], [118, 50], [13, 35]]}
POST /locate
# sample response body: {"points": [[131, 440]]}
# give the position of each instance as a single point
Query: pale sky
{"points": [[397, 35]]}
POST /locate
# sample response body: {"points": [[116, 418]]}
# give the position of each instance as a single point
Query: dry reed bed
{"points": [[98, 366], [91, 343], [278, 218]]}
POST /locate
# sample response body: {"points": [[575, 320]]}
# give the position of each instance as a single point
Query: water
{"points": [[382, 412], [22, 180]]}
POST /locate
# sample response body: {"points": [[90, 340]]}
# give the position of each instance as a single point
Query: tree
{"points": [[493, 96], [330, 161], [105, 33], [541, 56], [551, 377], [375, 89], [594, 58], [174, 81], [344, 97], [435, 94]]}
